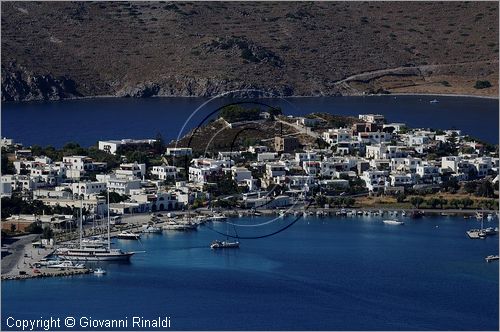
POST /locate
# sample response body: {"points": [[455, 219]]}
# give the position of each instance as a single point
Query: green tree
{"points": [[416, 201], [159, 145], [470, 186], [485, 189], [7, 166], [400, 197], [320, 200], [442, 202], [434, 202], [482, 84], [466, 202], [349, 201], [455, 203]]}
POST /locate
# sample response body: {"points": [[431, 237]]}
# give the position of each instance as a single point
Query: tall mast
{"points": [[109, 238], [81, 223]]}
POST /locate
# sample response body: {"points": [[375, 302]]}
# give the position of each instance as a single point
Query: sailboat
{"points": [[217, 244], [94, 253]]}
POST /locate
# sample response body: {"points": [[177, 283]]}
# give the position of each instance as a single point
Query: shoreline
{"points": [[261, 97]]}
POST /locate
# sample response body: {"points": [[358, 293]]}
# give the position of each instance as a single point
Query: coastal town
{"points": [[318, 164]]}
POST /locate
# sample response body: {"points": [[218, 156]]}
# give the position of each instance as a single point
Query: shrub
{"points": [[482, 84]]}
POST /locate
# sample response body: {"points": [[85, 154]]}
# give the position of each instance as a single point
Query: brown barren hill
{"points": [[55, 50]]}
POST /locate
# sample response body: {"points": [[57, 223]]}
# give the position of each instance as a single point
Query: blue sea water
{"points": [[90, 120], [334, 273]]}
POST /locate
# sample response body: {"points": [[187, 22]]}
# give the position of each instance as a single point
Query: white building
{"points": [[372, 118], [179, 152], [131, 170], [374, 137], [312, 167], [274, 170], [408, 164], [87, 188], [451, 162], [402, 179], [81, 163], [267, 156], [111, 146], [164, 172], [337, 135], [427, 171], [241, 174], [258, 149], [306, 156], [374, 180]]}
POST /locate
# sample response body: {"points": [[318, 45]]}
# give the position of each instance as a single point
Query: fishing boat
{"points": [[93, 253], [127, 235], [393, 222]]}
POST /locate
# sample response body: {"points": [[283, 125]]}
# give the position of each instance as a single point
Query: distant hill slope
{"points": [[53, 50]]}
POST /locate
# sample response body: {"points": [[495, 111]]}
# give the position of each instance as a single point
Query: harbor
{"points": [[280, 270], [28, 261]]}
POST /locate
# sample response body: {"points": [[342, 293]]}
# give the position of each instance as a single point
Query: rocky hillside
{"points": [[54, 50]]}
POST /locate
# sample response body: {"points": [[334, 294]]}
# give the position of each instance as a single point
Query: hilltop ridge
{"points": [[63, 50]]}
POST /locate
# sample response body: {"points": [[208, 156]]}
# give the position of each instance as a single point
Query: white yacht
{"points": [[393, 222]]}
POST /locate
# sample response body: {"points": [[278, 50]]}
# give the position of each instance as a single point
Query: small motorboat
{"points": [[99, 271], [491, 258], [127, 235], [434, 101], [393, 222], [224, 244]]}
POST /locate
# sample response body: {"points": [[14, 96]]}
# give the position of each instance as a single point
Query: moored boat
{"points": [[151, 228], [491, 258], [393, 222], [127, 235], [66, 265], [224, 244]]}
